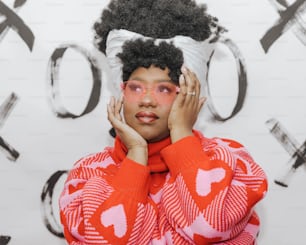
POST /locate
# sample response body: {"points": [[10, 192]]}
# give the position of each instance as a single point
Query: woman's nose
{"points": [[148, 98]]}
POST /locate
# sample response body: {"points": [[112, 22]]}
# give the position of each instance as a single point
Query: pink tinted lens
{"points": [[162, 92]]}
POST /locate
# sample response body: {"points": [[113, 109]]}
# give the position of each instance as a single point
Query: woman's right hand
{"points": [[135, 143]]}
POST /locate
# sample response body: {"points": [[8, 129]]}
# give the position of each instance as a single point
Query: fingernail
{"points": [[183, 69]]}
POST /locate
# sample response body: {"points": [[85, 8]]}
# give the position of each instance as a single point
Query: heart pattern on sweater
{"points": [[205, 179], [115, 216]]}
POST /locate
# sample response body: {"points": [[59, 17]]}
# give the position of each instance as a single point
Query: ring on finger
{"points": [[193, 93]]}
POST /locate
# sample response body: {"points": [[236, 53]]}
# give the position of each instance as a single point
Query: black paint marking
{"points": [[4, 240], [7, 107], [19, 3], [298, 154], [14, 22], [46, 204], [53, 82], [8, 150], [5, 110], [289, 17], [242, 81]]}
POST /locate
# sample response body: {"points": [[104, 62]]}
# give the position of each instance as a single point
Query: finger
{"points": [[118, 106], [182, 92], [190, 80], [183, 81], [201, 103], [192, 94], [183, 85], [196, 83], [110, 110]]}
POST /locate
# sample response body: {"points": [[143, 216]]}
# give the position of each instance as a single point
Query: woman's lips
{"points": [[146, 117]]}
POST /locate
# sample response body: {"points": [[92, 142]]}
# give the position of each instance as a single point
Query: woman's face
{"points": [[148, 97]]}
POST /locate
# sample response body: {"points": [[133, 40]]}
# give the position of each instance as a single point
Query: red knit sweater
{"points": [[195, 191]]}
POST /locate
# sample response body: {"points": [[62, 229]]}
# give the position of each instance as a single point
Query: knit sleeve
{"points": [[105, 204], [217, 183]]}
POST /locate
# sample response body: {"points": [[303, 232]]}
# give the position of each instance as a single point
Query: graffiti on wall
{"points": [[5, 109], [290, 17], [4, 240], [53, 81], [14, 22], [290, 144], [47, 203]]}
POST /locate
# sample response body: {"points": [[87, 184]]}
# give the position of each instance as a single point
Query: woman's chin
{"points": [[152, 138]]}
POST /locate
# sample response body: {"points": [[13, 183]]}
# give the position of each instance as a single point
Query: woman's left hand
{"points": [[186, 107]]}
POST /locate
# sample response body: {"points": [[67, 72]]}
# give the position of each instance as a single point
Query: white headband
{"points": [[196, 54]]}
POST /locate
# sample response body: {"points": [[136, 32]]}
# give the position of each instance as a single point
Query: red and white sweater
{"points": [[195, 191]]}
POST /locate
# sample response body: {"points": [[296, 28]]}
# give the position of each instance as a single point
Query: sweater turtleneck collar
{"points": [[155, 162]]}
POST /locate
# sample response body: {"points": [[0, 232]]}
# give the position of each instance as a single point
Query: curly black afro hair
{"points": [[156, 19], [140, 53]]}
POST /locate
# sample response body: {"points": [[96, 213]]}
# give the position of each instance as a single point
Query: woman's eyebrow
{"points": [[157, 80], [137, 79]]}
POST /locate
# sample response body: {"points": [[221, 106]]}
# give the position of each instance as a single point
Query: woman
{"points": [[163, 182]]}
